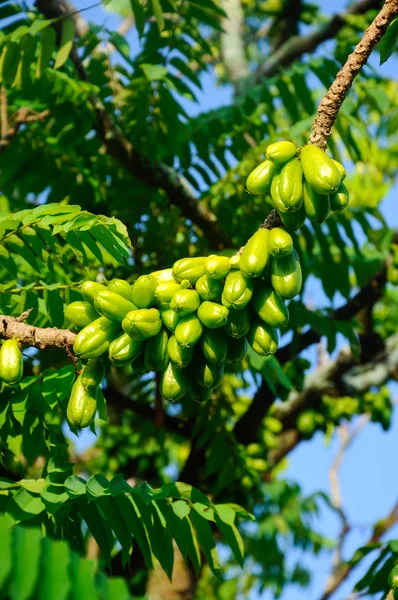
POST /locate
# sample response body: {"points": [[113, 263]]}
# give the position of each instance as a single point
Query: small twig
{"points": [[24, 315], [4, 112], [22, 117]]}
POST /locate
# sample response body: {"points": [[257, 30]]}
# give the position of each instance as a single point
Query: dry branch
{"points": [[37, 337]]}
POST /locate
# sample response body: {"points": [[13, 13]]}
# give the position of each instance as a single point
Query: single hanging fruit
{"points": [[238, 290], [293, 220], [317, 206], [213, 315], [208, 288], [234, 261], [80, 313], [340, 168], [276, 197], [82, 405], [291, 184], [95, 339], [11, 362], [263, 339], [89, 289], [169, 318], [143, 291], [259, 180], [112, 306], [208, 375], [189, 268], [124, 349], [138, 366], [179, 356], [92, 374], [270, 308], [174, 383], [237, 350], [280, 152], [286, 276], [142, 324], [320, 171], [188, 331], [155, 355], [255, 254], [217, 267], [165, 290], [280, 242], [238, 323], [185, 302], [214, 346], [197, 392], [340, 199], [121, 287], [163, 275]]}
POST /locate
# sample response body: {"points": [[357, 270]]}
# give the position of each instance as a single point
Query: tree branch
{"points": [[287, 24], [158, 176], [232, 47], [330, 105], [37, 337], [298, 45], [22, 117]]}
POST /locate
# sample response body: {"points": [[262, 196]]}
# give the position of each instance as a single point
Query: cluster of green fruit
{"points": [[188, 320], [303, 182], [332, 410], [11, 362]]}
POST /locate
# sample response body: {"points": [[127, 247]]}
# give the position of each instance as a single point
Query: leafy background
{"points": [[214, 149]]}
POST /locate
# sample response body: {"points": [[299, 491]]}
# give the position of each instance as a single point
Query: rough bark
{"points": [[37, 337]]}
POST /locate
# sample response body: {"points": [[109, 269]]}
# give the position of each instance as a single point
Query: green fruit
{"points": [[179, 356], [121, 287], [124, 349], [255, 254], [142, 324], [280, 152], [259, 180], [92, 374], [185, 302], [280, 242], [237, 350], [80, 313], [238, 290], [197, 392], [213, 315], [163, 275], [393, 578], [95, 339], [340, 199], [238, 323], [156, 356], [320, 171], [112, 306], [307, 423], [286, 276], [174, 383], [208, 375], [169, 318], [293, 220], [11, 362], [217, 267], [89, 289], [165, 290], [81, 406], [340, 168], [143, 291], [234, 261], [189, 268], [214, 346], [188, 331], [263, 339], [270, 308], [276, 197], [291, 184], [138, 366], [317, 206], [209, 289]]}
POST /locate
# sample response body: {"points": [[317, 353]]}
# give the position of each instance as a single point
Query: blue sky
{"points": [[367, 476]]}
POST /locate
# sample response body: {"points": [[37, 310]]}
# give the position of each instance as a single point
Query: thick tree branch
{"points": [[232, 46], [298, 45], [37, 337], [330, 105], [158, 176]]}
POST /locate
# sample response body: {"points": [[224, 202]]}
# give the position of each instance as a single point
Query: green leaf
{"points": [[55, 307], [47, 47], [25, 562], [66, 44], [33, 485], [75, 486], [154, 72], [139, 15], [54, 580], [82, 578], [161, 542], [24, 505], [98, 527], [206, 540], [129, 508], [158, 12], [388, 42], [5, 549], [233, 538], [97, 486], [181, 508], [109, 508]]}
